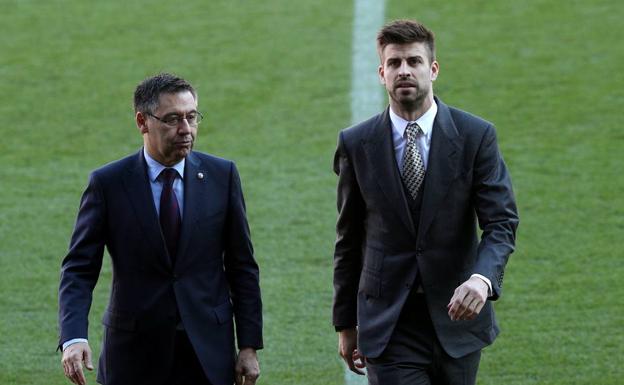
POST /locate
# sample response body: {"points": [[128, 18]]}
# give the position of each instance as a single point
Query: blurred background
{"points": [[274, 80]]}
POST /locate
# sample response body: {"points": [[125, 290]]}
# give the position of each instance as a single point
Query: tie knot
{"points": [[412, 131], [168, 175]]}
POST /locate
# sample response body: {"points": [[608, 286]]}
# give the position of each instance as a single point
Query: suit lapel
{"points": [[379, 151], [137, 185], [192, 197], [442, 166], [203, 198]]}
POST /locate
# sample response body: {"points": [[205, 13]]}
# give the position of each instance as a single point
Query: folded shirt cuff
{"points": [[489, 283], [73, 341]]}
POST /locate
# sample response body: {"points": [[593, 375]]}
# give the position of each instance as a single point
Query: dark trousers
{"points": [[186, 369], [414, 355]]}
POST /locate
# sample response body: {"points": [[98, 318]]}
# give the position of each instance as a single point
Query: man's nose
{"points": [[184, 126], [404, 69]]}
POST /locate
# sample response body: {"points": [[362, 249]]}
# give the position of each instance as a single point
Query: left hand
{"points": [[468, 300], [73, 358], [247, 368]]}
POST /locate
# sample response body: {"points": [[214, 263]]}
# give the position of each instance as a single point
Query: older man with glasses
{"points": [[174, 223]]}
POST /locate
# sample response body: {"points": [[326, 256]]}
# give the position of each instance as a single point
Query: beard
{"points": [[409, 98]]}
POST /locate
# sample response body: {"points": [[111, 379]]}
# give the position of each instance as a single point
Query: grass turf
{"points": [[273, 79]]}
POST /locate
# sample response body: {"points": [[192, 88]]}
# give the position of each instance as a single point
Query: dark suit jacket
{"points": [[378, 254], [214, 279]]}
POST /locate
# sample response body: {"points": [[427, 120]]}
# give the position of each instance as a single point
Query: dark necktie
{"points": [[170, 219], [413, 171]]}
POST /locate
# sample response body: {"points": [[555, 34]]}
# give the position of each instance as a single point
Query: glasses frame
{"points": [[199, 114]]}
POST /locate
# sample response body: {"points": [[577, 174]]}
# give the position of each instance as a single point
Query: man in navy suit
{"points": [[184, 276], [413, 284]]}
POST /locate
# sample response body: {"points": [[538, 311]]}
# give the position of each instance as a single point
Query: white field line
{"points": [[366, 92]]}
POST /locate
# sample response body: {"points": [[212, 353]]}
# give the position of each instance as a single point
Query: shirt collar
{"points": [[425, 121], [154, 168]]}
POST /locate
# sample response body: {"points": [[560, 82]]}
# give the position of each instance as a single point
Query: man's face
{"points": [[407, 72], [166, 143]]}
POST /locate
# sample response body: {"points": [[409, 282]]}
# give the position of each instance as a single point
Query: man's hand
{"points": [[72, 360], [247, 368], [468, 299], [347, 348]]}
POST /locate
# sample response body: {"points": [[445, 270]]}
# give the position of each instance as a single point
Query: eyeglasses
{"points": [[173, 120]]}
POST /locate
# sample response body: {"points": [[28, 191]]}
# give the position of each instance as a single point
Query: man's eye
{"points": [[191, 117], [171, 119]]}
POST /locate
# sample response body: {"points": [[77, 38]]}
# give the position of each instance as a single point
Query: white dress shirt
{"points": [[425, 122], [153, 171]]}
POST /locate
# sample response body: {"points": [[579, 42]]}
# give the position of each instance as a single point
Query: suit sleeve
{"points": [[496, 211], [242, 270], [81, 266], [349, 236]]}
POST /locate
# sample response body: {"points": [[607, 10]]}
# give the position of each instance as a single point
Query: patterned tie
{"points": [[170, 220], [413, 171]]}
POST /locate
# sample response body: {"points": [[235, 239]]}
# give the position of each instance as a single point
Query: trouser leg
{"points": [[414, 355]]}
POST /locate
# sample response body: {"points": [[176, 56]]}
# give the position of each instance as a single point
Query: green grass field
{"points": [[274, 82]]}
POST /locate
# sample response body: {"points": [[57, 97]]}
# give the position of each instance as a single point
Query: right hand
{"points": [[247, 369], [73, 357], [347, 348]]}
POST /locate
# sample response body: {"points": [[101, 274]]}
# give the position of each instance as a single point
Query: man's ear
{"points": [[435, 70], [141, 122], [380, 72]]}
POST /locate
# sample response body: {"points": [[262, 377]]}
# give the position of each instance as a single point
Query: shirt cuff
{"points": [[489, 283], [74, 341]]}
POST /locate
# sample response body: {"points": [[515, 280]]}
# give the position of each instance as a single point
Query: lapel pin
{"points": [[200, 175]]}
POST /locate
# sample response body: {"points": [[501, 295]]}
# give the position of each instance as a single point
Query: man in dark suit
{"points": [[174, 223], [413, 285]]}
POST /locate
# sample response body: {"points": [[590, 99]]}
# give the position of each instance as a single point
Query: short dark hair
{"points": [[406, 32], [149, 90]]}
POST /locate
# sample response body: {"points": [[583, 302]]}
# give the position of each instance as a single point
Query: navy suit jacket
{"points": [[214, 281], [379, 251]]}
